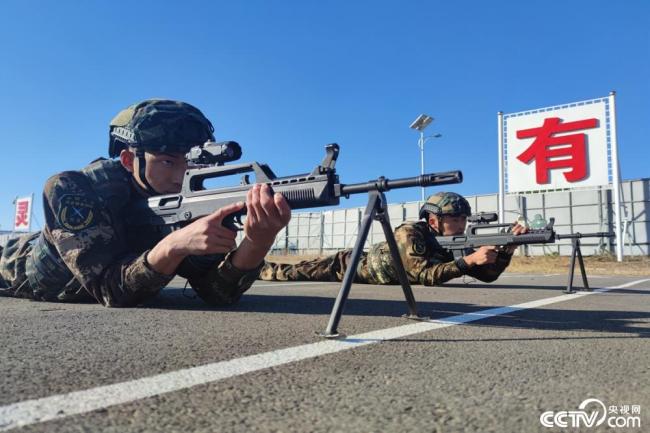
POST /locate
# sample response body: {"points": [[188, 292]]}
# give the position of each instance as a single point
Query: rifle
{"points": [[462, 244], [579, 235], [320, 187]]}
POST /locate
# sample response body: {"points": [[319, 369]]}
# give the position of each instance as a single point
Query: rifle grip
{"points": [[233, 221]]}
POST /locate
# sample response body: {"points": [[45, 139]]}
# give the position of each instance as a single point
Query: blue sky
{"points": [[284, 78]]}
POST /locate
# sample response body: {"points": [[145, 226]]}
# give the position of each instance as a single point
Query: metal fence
{"points": [[574, 211]]}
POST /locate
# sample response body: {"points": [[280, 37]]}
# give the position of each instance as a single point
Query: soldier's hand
{"points": [[266, 215], [207, 235], [482, 256], [517, 229]]}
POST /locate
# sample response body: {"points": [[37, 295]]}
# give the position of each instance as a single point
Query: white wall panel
{"points": [[557, 199]]}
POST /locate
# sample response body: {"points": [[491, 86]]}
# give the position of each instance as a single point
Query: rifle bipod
{"points": [[575, 243], [375, 210]]}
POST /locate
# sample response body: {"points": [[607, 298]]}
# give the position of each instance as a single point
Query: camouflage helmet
{"points": [[159, 125], [446, 203]]}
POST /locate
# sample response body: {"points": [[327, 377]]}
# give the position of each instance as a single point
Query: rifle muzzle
{"points": [[382, 184]]}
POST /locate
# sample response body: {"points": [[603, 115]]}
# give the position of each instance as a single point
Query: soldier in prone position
{"points": [[425, 262], [87, 251]]}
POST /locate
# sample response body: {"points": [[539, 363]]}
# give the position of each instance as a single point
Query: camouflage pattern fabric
{"points": [[85, 227], [424, 260], [330, 268], [13, 281], [445, 203]]}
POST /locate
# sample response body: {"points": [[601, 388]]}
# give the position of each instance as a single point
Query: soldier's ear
{"points": [[433, 222], [127, 158]]}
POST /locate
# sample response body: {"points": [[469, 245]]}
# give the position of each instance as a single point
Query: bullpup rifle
{"points": [[499, 235], [461, 245], [320, 187]]}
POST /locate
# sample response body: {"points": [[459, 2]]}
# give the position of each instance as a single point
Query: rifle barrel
{"points": [[382, 184], [585, 235]]}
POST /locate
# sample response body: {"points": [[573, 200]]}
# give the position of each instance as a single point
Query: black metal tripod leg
{"points": [[398, 265], [348, 278], [572, 263], [582, 267]]}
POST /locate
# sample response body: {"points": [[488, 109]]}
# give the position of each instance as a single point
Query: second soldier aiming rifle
{"points": [[471, 239], [320, 187]]}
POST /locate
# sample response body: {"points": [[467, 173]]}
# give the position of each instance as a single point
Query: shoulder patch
{"points": [[76, 212]]}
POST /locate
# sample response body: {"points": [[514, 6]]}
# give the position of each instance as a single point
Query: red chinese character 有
{"points": [[551, 151], [21, 214]]}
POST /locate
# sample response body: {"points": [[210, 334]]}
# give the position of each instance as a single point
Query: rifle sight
{"points": [[212, 153]]}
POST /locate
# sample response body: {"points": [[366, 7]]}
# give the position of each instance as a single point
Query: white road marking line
{"points": [[78, 402]]}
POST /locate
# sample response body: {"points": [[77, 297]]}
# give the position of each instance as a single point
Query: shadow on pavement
{"points": [[636, 323]]}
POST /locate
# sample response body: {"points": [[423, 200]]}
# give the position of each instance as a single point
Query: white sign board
{"points": [[563, 147], [557, 147], [22, 217]]}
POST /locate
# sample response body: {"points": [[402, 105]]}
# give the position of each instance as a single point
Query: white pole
{"points": [[13, 225], [421, 144], [616, 176], [502, 200]]}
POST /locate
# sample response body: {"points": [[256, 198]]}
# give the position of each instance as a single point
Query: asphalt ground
{"points": [[473, 367]]}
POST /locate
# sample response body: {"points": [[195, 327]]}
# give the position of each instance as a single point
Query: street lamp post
{"points": [[420, 124]]}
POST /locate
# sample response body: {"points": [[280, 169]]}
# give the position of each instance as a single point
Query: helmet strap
{"points": [[140, 174]]}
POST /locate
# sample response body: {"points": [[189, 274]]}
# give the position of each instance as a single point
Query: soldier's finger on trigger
{"points": [[221, 213]]}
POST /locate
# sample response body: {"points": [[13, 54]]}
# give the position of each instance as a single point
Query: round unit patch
{"points": [[76, 212]]}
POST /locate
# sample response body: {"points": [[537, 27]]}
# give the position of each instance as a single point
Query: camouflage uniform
{"points": [[87, 251], [425, 261]]}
